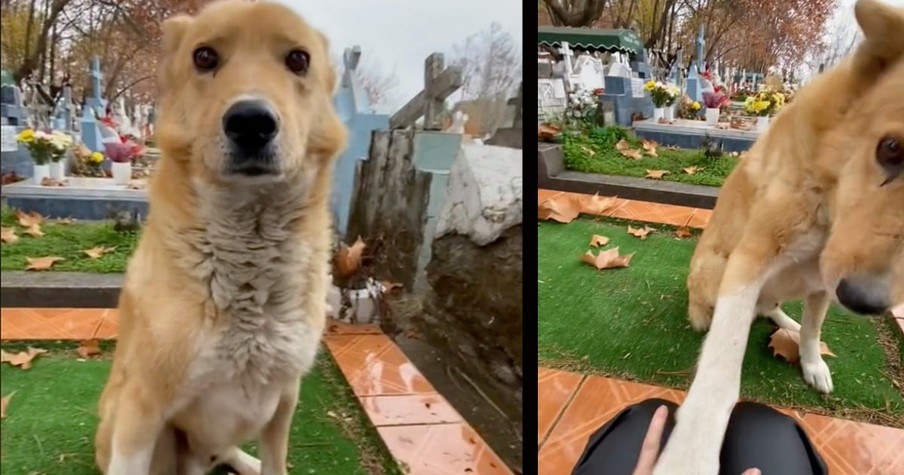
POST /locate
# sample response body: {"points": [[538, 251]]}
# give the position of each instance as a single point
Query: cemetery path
{"points": [[632, 323]]}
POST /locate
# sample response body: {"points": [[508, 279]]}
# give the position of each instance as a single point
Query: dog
{"points": [[814, 210], [223, 306]]}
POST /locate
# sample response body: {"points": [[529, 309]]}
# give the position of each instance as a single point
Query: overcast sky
{"points": [[400, 34]]}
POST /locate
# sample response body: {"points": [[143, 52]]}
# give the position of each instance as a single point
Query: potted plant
{"points": [[763, 105], [714, 102], [41, 148], [672, 95], [663, 95], [121, 155], [61, 143]]}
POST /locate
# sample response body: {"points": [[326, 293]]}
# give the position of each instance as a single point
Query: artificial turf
{"points": [[633, 323], [68, 241], [593, 151], [51, 419]]}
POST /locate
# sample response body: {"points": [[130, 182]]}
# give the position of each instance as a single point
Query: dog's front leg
{"points": [[816, 371], [274, 441], [695, 443], [139, 422]]}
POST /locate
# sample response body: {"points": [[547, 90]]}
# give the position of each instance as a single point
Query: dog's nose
{"points": [[859, 298], [250, 125]]}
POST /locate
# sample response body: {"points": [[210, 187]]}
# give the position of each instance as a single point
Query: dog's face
{"points": [[246, 94], [864, 257]]}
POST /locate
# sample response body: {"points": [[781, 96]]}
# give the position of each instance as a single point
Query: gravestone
{"points": [[354, 109], [551, 99], [439, 83], [12, 106], [694, 87], [95, 107], [588, 72], [14, 158], [513, 136], [700, 44], [64, 109]]}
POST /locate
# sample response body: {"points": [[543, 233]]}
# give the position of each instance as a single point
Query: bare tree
{"points": [[491, 62], [380, 85], [574, 12]]}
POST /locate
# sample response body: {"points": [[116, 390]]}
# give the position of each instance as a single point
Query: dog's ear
{"points": [[330, 75], [174, 30], [882, 27]]}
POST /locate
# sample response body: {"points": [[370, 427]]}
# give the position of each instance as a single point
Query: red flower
{"points": [[599, 91]]}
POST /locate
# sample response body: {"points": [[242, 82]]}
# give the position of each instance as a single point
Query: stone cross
{"points": [[700, 43], [350, 59], [439, 83], [517, 101], [96, 100]]}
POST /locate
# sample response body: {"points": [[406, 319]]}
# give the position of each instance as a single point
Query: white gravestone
{"points": [[637, 87], [551, 98], [8, 141], [619, 69], [588, 73]]}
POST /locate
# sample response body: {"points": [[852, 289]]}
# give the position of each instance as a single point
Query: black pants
{"points": [[757, 437]]}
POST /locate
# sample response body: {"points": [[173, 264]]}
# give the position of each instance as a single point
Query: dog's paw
{"points": [[817, 374], [685, 464]]}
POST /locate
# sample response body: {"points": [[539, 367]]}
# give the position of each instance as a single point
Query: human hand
{"points": [[649, 451]]}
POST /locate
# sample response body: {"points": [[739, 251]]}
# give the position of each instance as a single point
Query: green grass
{"points": [[633, 323], [68, 242], [605, 159], [51, 419]]}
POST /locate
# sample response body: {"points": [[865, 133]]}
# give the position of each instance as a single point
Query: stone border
{"points": [[553, 176], [60, 289]]}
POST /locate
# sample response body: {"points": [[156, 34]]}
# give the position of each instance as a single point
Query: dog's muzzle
{"points": [[866, 296], [251, 127]]}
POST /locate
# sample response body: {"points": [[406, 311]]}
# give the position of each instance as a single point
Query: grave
{"points": [[691, 134], [82, 198], [354, 109], [511, 136], [95, 107]]}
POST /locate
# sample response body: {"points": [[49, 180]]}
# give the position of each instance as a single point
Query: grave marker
{"points": [[439, 83]]}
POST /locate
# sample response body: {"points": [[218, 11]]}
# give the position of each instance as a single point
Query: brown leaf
{"points": [[608, 259], [27, 220], [22, 358], [8, 235], [547, 132], [587, 150], [88, 348], [786, 343], [598, 241], [672, 147], [597, 205], [650, 147], [561, 208], [4, 403], [683, 232], [135, 185], [632, 154], [41, 263], [640, 232], [622, 145], [389, 287], [34, 231], [65, 221], [693, 170], [98, 251], [47, 181], [656, 174], [348, 259]]}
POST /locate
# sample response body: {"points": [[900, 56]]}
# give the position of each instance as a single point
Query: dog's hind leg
{"points": [[241, 462], [816, 371], [780, 318]]}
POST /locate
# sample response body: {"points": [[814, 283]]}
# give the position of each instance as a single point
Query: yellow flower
{"points": [[695, 106], [97, 157], [650, 85], [26, 136]]}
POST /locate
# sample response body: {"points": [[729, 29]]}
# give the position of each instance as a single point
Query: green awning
{"points": [[591, 39]]}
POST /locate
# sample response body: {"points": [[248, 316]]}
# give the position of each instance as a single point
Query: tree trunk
{"points": [[31, 59]]}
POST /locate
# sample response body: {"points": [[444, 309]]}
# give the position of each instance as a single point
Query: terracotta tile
{"points": [[409, 410], [31, 324], [440, 449], [699, 218], [374, 366], [854, 447], [554, 391], [108, 327], [653, 212], [338, 327]]}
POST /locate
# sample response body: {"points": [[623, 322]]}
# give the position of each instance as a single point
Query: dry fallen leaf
{"points": [[683, 232], [693, 170], [672, 147], [656, 174], [22, 358], [547, 132], [65, 221], [26, 220], [8, 235], [98, 251], [650, 147], [608, 259], [598, 241], [786, 343], [587, 150], [348, 259], [632, 154], [4, 403], [622, 145], [561, 208], [41, 263], [640, 232], [597, 205], [88, 348], [135, 185], [34, 231]]}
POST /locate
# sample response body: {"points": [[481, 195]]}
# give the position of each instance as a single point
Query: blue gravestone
{"points": [[12, 108], [354, 109], [62, 116], [94, 108], [694, 88], [700, 43]]}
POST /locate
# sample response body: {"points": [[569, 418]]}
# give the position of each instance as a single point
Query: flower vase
{"points": [[669, 113], [122, 172], [762, 123], [658, 113], [40, 173], [712, 116], [58, 170]]}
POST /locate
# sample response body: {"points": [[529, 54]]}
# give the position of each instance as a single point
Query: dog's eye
{"points": [[206, 59], [297, 61], [890, 155]]}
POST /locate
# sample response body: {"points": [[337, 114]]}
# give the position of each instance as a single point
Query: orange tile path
{"points": [[573, 406], [420, 428]]}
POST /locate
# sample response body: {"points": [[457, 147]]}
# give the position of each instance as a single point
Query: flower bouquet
{"points": [[583, 107], [62, 143], [121, 154], [664, 96], [762, 105], [714, 102], [42, 149], [688, 109]]}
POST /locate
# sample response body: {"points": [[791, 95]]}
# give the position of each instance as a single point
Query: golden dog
{"points": [[224, 302], [815, 209]]}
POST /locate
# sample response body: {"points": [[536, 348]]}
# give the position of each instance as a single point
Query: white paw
{"points": [[817, 374], [691, 455]]}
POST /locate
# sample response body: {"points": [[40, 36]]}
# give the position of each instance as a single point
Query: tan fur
{"points": [[223, 305], [803, 210]]}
